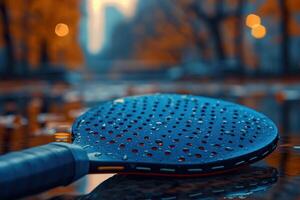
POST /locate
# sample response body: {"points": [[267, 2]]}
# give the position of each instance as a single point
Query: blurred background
{"points": [[60, 57]]}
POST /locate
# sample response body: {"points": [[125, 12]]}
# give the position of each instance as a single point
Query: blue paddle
{"points": [[162, 134]]}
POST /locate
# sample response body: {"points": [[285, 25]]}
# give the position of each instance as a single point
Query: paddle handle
{"points": [[40, 168]]}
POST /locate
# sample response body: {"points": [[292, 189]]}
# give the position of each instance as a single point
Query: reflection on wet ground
{"points": [[276, 177], [242, 183], [30, 116]]}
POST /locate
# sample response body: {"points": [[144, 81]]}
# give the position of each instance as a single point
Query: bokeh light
{"points": [[252, 20], [259, 31], [61, 29], [62, 137]]}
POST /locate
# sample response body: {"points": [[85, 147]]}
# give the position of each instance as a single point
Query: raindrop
{"points": [[97, 154], [86, 146], [119, 101], [125, 157], [213, 154], [228, 148]]}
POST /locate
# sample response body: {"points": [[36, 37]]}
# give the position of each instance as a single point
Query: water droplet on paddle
{"points": [[125, 157], [98, 154]]}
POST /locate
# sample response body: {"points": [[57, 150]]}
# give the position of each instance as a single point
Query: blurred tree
{"points": [[224, 21], [7, 40], [30, 37], [176, 32], [167, 33], [284, 11]]}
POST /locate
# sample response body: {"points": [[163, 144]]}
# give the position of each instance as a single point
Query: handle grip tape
{"points": [[40, 168]]}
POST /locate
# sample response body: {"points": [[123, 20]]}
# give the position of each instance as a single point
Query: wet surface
{"points": [[276, 177], [29, 119]]}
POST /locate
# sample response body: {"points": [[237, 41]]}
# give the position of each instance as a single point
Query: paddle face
{"points": [[173, 134]]}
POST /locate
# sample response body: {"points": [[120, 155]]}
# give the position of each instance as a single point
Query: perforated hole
{"points": [[112, 142], [154, 148], [142, 144], [198, 155], [201, 148], [181, 159], [102, 138], [134, 150]]}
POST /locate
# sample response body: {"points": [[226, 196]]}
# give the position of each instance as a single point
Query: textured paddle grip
{"points": [[40, 168]]}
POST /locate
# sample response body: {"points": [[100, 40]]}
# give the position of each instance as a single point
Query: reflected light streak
{"points": [[96, 19], [96, 179]]}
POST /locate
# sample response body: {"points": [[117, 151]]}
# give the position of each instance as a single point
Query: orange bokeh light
{"points": [[252, 20], [63, 137], [61, 29], [259, 31]]}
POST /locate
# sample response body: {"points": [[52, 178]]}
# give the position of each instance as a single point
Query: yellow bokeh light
{"points": [[252, 20], [259, 31], [61, 29]]}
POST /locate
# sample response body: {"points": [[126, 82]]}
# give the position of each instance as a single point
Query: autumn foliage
{"points": [[32, 29]]}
